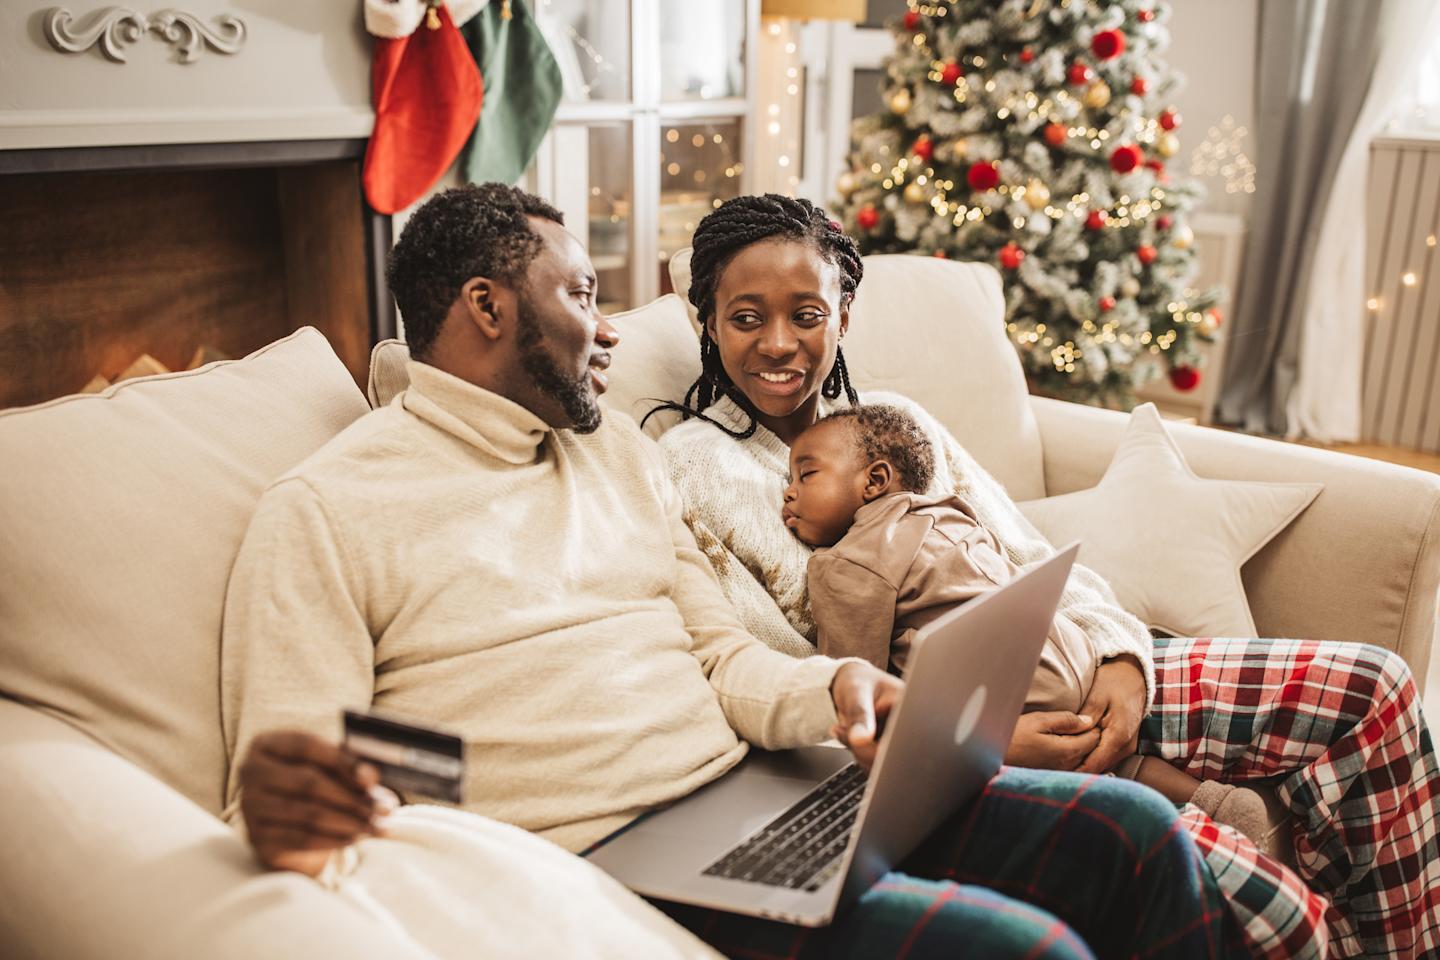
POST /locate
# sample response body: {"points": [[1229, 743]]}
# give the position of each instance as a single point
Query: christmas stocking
{"points": [[426, 92], [524, 83]]}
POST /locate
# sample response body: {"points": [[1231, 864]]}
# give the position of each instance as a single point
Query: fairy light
{"points": [[1220, 155]]}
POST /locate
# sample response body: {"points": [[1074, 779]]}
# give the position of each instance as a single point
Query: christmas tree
{"points": [[1033, 134]]}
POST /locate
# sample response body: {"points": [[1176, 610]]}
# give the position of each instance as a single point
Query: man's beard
{"points": [[572, 393]]}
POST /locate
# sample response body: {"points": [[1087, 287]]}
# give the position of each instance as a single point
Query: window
{"points": [[1419, 106]]}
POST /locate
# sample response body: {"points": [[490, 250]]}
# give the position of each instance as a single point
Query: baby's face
{"points": [[827, 484]]}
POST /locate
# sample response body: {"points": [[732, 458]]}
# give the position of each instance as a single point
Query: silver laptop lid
{"points": [[987, 650]]}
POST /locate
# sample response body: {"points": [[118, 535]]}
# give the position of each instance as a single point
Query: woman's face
{"points": [[778, 320]]}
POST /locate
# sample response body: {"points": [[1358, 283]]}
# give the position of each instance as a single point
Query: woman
{"points": [[1335, 727]]}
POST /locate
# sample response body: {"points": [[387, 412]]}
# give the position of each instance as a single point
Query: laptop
{"points": [[798, 835]]}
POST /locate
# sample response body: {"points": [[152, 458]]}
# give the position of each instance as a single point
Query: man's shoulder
{"points": [[368, 446]]}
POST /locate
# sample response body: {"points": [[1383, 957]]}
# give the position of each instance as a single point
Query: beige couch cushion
{"points": [[1171, 543], [657, 358], [934, 331], [120, 515]]}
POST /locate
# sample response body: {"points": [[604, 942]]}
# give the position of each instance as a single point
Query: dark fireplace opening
{"points": [[181, 254]]}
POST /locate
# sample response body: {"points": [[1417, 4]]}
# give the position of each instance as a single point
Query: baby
{"points": [[891, 559]]}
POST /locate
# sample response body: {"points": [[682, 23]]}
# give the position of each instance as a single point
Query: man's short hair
{"points": [[478, 230], [888, 433]]}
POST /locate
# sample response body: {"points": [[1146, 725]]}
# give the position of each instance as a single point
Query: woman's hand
{"points": [[1056, 740], [864, 697], [1117, 702]]}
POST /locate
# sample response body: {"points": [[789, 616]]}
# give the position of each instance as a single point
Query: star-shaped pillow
{"points": [[1171, 543]]}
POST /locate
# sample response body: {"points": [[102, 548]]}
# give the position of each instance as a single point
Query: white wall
{"points": [[1213, 44]]}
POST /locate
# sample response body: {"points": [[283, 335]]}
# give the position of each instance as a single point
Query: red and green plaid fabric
{"points": [[1337, 730], [1041, 865]]}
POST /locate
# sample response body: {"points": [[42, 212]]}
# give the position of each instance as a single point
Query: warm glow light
{"points": [[784, 161], [1372, 304], [1408, 279], [774, 128], [672, 135], [1430, 240]]}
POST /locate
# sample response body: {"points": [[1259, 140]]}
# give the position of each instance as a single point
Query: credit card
{"points": [[412, 760]]}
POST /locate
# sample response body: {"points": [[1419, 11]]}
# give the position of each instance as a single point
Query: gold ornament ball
{"points": [[1097, 95], [846, 183], [914, 193], [1129, 287], [1206, 327], [960, 148], [900, 101], [1168, 145], [1182, 238], [1037, 195]]}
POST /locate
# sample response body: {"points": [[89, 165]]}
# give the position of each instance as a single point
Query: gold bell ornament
{"points": [[1097, 95], [1037, 195], [914, 193], [1168, 145], [900, 101]]}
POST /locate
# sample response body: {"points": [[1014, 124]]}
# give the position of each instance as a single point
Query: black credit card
{"points": [[412, 760]]}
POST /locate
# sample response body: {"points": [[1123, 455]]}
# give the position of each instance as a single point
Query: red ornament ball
{"points": [[1056, 134], [924, 147], [1146, 253], [1078, 74], [1184, 379], [867, 217], [1216, 317], [1146, 15], [1107, 304], [1126, 158], [951, 73], [982, 176], [912, 19], [1139, 86], [1164, 221], [1108, 44], [1169, 120], [1011, 256], [1096, 220], [1027, 55]]}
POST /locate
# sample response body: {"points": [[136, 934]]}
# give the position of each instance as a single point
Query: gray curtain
{"points": [[1316, 59]]}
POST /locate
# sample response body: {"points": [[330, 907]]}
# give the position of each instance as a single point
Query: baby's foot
{"points": [[1235, 807]]}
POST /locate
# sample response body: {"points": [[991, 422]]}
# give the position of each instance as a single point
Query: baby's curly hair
{"points": [[478, 230], [888, 433]]}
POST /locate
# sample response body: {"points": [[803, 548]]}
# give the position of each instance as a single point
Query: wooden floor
{"points": [[1405, 457]]}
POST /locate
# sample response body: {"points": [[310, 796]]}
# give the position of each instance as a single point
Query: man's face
{"points": [[562, 341], [827, 484]]}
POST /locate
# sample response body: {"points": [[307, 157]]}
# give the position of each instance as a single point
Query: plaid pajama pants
{"points": [[1041, 865], [1336, 729]]}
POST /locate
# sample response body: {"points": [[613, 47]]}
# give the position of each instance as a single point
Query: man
{"points": [[491, 555]]}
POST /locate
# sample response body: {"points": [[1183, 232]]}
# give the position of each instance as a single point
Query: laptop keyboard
{"points": [[801, 848]]}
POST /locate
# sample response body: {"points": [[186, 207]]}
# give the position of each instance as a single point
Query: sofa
{"points": [[121, 513]]}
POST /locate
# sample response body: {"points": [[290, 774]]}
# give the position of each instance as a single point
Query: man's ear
{"points": [[879, 478], [479, 297]]}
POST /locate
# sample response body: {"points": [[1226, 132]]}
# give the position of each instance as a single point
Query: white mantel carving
{"points": [[303, 74], [112, 27]]}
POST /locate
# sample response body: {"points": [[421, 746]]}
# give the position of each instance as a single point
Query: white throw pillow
{"points": [[120, 517], [934, 331], [1171, 543], [657, 359]]}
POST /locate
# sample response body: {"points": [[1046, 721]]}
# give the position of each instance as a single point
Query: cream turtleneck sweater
{"points": [[452, 559], [733, 491]]}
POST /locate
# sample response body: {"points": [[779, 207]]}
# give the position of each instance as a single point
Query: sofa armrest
{"points": [[104, 860], [1362, 563]]}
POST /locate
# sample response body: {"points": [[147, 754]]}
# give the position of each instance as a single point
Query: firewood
{"points": [[204, 355], [96, 384], [144, 366]]}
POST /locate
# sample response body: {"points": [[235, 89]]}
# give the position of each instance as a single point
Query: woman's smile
{"points": [[779, 383]]}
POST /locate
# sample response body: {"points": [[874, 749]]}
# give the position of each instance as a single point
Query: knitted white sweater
{"points": [[733, 491], [453, 559]]}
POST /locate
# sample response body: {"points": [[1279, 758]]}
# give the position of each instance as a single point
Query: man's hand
{"points": [[1117, 702], [303, 797], [864, 697], [1056, 740]]}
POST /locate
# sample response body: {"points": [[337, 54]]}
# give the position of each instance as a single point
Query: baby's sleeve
{"points": [[854, 609]]}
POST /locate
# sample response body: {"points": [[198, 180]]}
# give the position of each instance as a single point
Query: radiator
{"points": [[1400, 399]]}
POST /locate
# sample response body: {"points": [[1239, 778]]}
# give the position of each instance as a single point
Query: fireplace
{"points": [[182, 251]]}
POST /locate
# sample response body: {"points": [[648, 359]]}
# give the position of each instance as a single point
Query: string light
{"points": [[1220, 155]]}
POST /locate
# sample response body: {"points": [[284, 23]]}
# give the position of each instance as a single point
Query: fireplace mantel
{"points": [[301, 73]]}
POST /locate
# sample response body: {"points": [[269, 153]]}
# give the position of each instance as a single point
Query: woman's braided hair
{"points": [[723, 233]]}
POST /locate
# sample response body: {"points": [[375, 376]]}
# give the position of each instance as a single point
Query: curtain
{"points": [[1327, 72]]}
